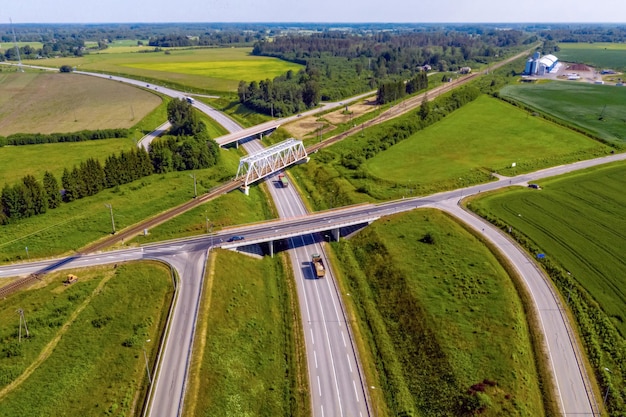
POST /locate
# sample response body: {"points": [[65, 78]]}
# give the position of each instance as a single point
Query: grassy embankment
{"points": [[600, 55], [577, 221], [462, 149], [441, 328], [249, 354], [73, 225], [86, 341], [211, 70]]}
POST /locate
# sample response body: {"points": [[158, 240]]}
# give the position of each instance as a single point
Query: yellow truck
{"points": [[318, 264]]}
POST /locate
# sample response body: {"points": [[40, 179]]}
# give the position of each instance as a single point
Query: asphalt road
{"points": [[337, 387], [569, 375]]}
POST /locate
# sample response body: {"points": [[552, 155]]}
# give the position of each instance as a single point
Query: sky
{"points": [[349, 11]]}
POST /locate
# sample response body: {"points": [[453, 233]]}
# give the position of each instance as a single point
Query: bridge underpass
{"points": [[261, 164], [251, 132], [330, 230]]}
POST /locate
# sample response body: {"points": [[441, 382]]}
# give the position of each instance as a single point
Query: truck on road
{"points": [[318, 264], [284, 182]]}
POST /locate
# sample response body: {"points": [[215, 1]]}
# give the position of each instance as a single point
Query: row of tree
{"points": [[191, 149], [84, 135], [393, 90], [29, 198], [284, 95]]}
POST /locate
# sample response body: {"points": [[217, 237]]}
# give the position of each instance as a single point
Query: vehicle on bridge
{"points": [[318, 264], [235, 238]]}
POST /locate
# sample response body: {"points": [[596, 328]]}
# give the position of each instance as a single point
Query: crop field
{"points": [[86, 342], [443, 328], [50, 103], [73, 225], [247, 342], [9, 45], [599, 55], [599, 109], [578, 222], [211, 69]]}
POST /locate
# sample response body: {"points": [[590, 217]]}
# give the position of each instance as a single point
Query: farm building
{"points": [[540, 65]]}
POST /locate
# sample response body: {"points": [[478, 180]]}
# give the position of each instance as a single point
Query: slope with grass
{"points": [[598, 109], [441, 327], [248, 333], [34, 102], [577, 221], [93, 333]]}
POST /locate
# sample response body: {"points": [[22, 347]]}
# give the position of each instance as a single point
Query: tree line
{"points": [[190, 149], [84, 135], [284, 95], [393, 90]]}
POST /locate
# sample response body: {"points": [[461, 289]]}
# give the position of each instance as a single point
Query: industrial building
{"points": [[540, 65]]}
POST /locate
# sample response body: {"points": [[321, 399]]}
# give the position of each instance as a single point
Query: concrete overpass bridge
{"points": [[251, 132]]}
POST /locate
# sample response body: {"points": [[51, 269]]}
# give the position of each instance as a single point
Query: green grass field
{"points": [[436, 319], [49, 103], [599, 109], [248, 335], [230, 209], [462, 149], [73, 225], [577, 222], [209, 70], [89, 370], [599, 55], [19, 161]]}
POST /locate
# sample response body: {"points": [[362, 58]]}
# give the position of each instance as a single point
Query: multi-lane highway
{"points": [[575, 395], [334, 375]]}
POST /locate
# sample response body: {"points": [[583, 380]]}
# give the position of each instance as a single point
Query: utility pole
{"points": [[195, 189], [27, 255], [110, 207], [22, 319], [17, 49]]}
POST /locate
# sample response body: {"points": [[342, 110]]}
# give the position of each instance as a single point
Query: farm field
{"points": [[245, 354], [33, 102], [598, 109], [93, 331], [599, 55], [73, 225], [577, 221], [442, 327], [209, 70]]}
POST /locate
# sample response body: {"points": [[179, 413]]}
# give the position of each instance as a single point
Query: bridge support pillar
{"points": [[246, 190], [271, 245], [335, 234], [236, 144]]}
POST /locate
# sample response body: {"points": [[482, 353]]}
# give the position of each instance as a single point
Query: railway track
{"points": [[17, 284]]}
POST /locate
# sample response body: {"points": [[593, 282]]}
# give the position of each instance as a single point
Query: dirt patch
{"points": [[310, 126], [578, 67]]}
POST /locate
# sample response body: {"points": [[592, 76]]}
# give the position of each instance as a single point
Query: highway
{"points": [[337, 387], [569, 374], [188, 257]]}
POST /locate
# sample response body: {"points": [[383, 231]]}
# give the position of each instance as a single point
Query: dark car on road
{"points": [[235, 238]]}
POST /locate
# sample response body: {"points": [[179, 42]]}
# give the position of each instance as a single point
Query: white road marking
{"points": [[319, 385], [356, 393], [349, 364], [344, 340], [315, 357], [312, 338]]}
